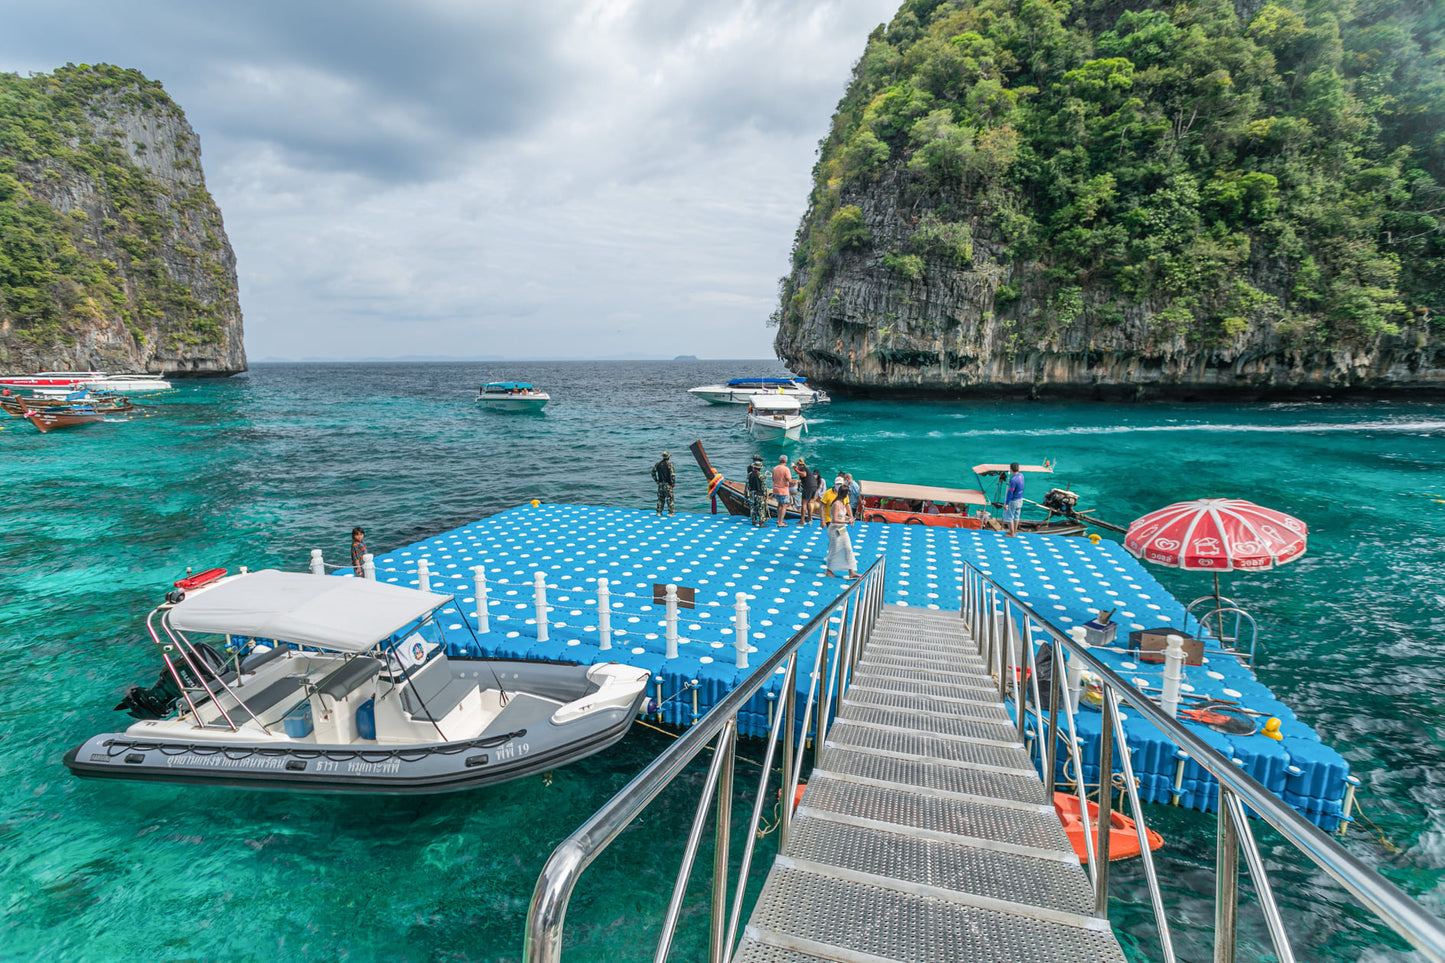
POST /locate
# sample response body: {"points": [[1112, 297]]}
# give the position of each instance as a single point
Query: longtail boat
{"points": [[48, 419]]}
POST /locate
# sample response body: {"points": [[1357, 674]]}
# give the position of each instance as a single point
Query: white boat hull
{"points": [[722, 395], [514, 402], [776, 429]]}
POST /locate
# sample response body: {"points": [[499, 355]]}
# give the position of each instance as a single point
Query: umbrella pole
{"points": [[1218, 614]]}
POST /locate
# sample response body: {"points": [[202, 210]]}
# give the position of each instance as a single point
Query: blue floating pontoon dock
{"points": [[780, 571]]}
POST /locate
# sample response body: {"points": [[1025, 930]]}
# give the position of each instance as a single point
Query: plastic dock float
{"points": [[924, 833], [779, 572]]}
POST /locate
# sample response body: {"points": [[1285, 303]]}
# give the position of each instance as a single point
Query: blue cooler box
{"points": [[298, 721]]}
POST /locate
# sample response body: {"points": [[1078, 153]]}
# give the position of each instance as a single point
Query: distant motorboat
{"points": [[129, 383], [775, 418], [512, 396], [740, 391], [59, 380]]}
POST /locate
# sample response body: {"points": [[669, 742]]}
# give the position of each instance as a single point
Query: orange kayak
{"points": [[1123, 837]]}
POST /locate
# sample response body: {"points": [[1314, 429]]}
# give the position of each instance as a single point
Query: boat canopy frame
{"points": [[927, 493]]}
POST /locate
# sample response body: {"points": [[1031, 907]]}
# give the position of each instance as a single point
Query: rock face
{"points": [[1128, 200], [125, 264]]}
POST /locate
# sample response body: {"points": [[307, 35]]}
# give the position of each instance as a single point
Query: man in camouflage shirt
{"points": [[666, 477], [757, 492]]}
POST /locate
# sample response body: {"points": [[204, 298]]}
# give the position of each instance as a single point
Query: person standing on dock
{"points": [[782, 486], [855, 496], [666, 476], [1013, 499], [840, 547], [358, 551], [807, 491], [757, 495]]}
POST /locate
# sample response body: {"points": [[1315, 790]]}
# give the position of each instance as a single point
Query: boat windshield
{"points": [[507, 386]]}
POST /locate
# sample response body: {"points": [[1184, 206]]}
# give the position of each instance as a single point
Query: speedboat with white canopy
{"points": [[284, 680], [775, 418], [512, 396], [739, 391]]}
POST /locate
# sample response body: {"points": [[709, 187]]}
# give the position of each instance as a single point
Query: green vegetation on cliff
{"points": [[1210, 164], [87, 235]]}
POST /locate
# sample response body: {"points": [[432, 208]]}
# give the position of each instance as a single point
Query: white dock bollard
{"points": [[318, 567], [604, 615], [541, 598], [484, 623], [1173, 675], [368, 567], [1076, 668], [423, 575], [671, 621], [740, 631]]}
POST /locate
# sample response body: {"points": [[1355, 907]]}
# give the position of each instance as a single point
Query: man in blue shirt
{"points": [[1013, 500]]}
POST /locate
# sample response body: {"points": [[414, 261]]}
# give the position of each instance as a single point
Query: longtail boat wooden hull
{"points": [[50, 420], [733, 495]]}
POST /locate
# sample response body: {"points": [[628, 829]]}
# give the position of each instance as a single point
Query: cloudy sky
{"points": [[468, 178]]}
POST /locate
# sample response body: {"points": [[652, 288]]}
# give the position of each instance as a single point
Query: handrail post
{"points": [[423, 575], [671, 618], [318, 565], [722, 844], [540, 597], [484, 620], [1226, 881], [1173, 675], [1056, 661], [790, 716], [368, 567], [1106, 804], [1026, 675], [604, 615], [740, 630]]}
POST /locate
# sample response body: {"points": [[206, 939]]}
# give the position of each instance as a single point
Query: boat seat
{"points": [[274, 694], [345, 680], [434, 691], [255, 660]]}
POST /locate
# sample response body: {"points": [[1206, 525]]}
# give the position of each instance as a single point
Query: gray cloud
{"points": [[519, 179]]}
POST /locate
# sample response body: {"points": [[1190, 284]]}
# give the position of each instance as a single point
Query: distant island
{"points": [[114, 254], [685, 357], [1237, 198]]}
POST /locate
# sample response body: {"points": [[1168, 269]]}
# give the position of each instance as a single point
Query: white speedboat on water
{"points": [[131, 384], [65, 381], [775, 418], [740, 391], [343, 684], [512, 396]]}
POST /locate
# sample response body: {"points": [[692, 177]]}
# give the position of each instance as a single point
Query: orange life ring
{"points": [[1123, 837]]}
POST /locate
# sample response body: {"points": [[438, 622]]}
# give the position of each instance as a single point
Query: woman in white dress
{"points": [[840, 547]]}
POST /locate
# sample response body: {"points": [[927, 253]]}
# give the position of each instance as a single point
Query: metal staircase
{"points": [[924, 833]]}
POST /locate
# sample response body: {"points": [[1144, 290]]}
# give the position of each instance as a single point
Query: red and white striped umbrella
{"points": [[1218, 535]]}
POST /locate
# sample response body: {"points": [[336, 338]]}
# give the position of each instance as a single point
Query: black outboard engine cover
{"points": [[151, 703], [1061, 500]]}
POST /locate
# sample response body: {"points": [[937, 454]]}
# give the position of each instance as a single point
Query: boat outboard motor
{"points": [[157, 701], [1062, 501]]}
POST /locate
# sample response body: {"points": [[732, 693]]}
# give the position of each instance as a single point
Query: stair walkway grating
{"points": [[924, 834]]}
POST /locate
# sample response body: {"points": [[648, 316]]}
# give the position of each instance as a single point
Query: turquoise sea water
{"points": [[260, 469]]}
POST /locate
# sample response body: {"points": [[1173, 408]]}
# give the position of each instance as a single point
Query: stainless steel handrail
{"points": [[987, 608], [858, 607]]}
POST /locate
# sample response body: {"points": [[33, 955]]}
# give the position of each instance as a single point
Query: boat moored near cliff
{"points": [[775, 418], [740, 391]]}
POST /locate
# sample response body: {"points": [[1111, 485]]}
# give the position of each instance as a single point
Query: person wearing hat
{"points": [[757, 494], [665, 476], [840, 546]]}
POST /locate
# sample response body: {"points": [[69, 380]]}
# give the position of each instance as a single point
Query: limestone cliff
{"points": [[1129, 199], [114, 254]]}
